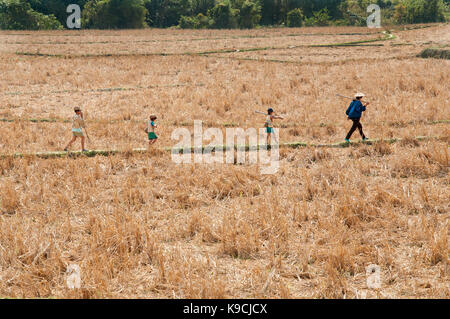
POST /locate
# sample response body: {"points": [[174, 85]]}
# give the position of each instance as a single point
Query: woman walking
{"points": [[354, 113]]}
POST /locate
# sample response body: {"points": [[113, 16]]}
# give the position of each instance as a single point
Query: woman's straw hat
{"points": [[359, 95]]}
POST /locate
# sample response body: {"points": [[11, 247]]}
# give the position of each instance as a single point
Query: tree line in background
{"points": [[217, 14]]}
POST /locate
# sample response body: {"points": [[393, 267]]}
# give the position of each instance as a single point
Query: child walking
{"points": [[354, 113], [77, 129], [269, 123], [152, 137]]}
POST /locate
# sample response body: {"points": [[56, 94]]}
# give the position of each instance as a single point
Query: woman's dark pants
{"points": [[356, 125]]}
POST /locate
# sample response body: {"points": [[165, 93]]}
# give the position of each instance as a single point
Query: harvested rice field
{"points": [[139, 225]]}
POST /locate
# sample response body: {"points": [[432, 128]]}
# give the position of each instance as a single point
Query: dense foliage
{"points": [[112, 14]]}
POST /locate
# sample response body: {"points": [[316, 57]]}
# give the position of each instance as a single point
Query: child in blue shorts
{"points": [[269, 123]]}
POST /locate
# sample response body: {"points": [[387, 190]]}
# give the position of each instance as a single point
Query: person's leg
{"points": [[354, 126], [275, 137], [269, 135], [82, 143], [361, 130], [70, 143]]}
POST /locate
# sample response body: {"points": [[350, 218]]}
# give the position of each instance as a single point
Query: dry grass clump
{"points": [[318, 155], [352, 212], [9, 198], [439, 247], [383, 149], [238, 239], [429, 162], [409, 141]]}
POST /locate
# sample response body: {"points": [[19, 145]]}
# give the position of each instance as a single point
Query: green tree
{"points": [[114, 14], [223, 15], [198, 22], [249, 14], [56, 7], [276, 11], [295, 18], [201, 6], [423, 11], [270, 12], [188, 22], [18, 15], [400, 13], [166, 13], [319, 18]]}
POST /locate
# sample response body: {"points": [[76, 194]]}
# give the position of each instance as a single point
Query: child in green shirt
{"points": [[152, 137]]}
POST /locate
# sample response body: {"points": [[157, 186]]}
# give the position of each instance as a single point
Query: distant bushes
{"points": [[114, 14], [223, 15], [199, 22], [218, 14], [420, 11], [435, 53], [320, 18], [295, 18], [18, 15]]}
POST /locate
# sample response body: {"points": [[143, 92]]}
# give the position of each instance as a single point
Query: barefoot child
{"points": [[77, 126], [151, 126], [269, 123], [354, 113]]}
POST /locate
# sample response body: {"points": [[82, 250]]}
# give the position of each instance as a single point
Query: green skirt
{"points": [[269, 129], [152, 136]]}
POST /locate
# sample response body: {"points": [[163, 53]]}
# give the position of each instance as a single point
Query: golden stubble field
{"points": [[139, 225]]}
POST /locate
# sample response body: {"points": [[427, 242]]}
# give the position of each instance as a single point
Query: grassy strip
{"points": [[401, 44], [141, 54], [196, 39], [60, 154], [227, 124], [435, 53], [329, 63], [233, 50], [88, 55], [388, 36], [247, 148], [110, 89], [359, 142], [43, 120]]}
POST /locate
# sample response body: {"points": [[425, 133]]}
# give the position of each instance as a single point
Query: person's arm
{"points": [[349, 108], [363, 106], [82, 120], [360, 107]]}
